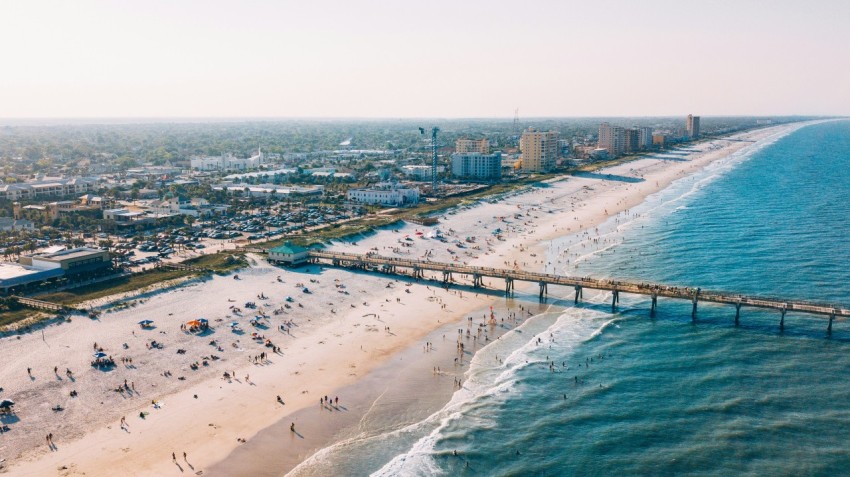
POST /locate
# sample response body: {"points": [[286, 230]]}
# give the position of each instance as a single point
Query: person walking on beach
{"points": [[173, 457]]}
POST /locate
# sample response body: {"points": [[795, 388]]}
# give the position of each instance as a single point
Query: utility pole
{"points": [[434, 132]]}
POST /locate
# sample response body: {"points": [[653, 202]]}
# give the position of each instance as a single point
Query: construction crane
{"points": [[434, 132]]}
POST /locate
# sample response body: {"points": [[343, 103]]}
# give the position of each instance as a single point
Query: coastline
{"points": [[308, 362]]}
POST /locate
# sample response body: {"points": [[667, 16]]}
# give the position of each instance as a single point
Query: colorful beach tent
{"points": [[193, 323]]}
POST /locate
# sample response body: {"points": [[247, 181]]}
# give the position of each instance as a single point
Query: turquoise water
{"points": [[663, 395]]}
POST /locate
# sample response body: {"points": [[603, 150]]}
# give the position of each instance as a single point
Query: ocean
{"points": [[585, 391]]}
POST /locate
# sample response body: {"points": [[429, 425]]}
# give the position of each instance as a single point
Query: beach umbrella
{"points": [[193, 323], [234, 324], [146, 322], [7, 403], [100, 354]]}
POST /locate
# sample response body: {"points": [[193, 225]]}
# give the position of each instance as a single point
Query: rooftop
{"points": [[288, 249], [70, 253]]}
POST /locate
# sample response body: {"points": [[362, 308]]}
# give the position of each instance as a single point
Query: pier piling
{"points": [[829, 326], [737, 313], [615, 298], [578, 293]]}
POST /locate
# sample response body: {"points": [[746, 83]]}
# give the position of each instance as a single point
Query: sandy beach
{"points": [[348, 335]]}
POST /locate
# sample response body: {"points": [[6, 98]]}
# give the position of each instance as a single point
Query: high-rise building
{"points": [[612, 139], [645, 137], [474, 165], [481, 146], [692, 126], [539, 150], [631, 140]]}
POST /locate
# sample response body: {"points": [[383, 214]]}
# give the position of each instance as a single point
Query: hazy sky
{"points": [[428, 58]]}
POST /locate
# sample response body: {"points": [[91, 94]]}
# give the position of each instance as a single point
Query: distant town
{"points": [[85, 203]]}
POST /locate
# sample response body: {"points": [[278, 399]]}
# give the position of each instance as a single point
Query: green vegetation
{"points": [[12, 312], [221, 263], [129, 283], [218, 262]]}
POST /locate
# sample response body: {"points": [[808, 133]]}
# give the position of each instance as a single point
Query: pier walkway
{"points": [[653, 290], [40, 304]]}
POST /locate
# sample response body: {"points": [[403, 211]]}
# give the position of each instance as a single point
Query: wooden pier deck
{"points": [[41, 304], [653, 290]]}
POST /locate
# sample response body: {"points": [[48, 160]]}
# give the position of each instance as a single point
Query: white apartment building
{"points": [[477, 166], [385, 194], [47, 188]]}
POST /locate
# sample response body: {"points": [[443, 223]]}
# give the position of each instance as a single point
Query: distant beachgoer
{"points": [[292, 427], [173, 457]]}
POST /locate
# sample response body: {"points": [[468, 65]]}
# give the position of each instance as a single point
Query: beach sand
{"points": [[342, 343]]}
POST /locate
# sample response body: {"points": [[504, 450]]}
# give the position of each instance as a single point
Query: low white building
{"points": [[228, 162], [385, 194], [420, 172], [47, 188]]}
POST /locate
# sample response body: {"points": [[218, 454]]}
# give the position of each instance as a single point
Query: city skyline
{"points": [[335, 59]]}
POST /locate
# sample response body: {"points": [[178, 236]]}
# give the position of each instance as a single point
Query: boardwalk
{"points": [[40, 304], [653, 290]]}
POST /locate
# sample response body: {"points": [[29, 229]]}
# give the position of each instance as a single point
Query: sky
{"points": [[431, 58]]}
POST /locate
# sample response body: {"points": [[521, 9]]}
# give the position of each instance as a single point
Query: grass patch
{"points": [[112, 287], [220, 263], [10, 316]]}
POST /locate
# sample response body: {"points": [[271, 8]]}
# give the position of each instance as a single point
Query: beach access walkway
{"points": [[416, 268]]}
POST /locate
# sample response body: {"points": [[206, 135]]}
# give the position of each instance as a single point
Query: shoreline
{"points": [[177, 425]]}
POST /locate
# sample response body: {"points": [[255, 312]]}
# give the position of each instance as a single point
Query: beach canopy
{"points": [[203, 321], [7, 403], [193, 323], [100, 354], [146, 322], [234, 324]]}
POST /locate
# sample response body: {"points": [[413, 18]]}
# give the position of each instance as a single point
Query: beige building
{"points": [[692, 126], [467, 146], [539, 150], [612, 139]]}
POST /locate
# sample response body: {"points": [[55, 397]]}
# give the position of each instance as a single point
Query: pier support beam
{"points": [[476, 280], [543, 290], [737, 313], [509, 285], [829, 327], [615, 298], [694, 310], [578, 293], [447, 277], [654, 304], [782, 320]]}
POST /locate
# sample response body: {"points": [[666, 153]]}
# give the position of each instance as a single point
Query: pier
{"points": [[447, 271]]}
